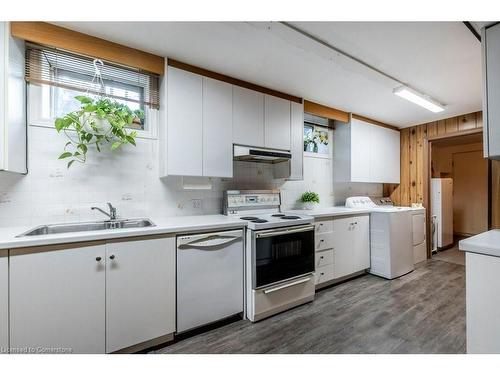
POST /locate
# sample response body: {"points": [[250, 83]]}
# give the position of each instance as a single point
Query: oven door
{"points": [[282, 254]]}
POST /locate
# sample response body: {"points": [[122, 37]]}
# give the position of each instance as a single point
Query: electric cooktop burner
{"points": [[290, 217], [259, 221], [278, 215], [249, 218]]}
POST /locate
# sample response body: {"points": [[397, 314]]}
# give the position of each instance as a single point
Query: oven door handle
{"points": [[276, 288], [286, 231]]}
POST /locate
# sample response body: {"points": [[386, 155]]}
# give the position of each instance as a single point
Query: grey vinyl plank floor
{"points": [[422, 312]]}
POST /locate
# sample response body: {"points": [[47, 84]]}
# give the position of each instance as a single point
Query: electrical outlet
{"points": [[196, 203]]}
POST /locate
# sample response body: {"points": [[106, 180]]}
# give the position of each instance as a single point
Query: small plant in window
{"points": [[313, 139], [98, 122], [309, 199]]}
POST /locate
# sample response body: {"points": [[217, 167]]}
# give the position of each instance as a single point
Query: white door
{"points": [[140, 291], [360, 151], [351, 251], [297, 141], [248, 117], [217, 128], [184, 123], [209, 278], [276, 122], [57, 298], [4, 301]]}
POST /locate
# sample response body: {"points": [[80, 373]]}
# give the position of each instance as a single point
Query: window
{"points": [[316, 137], [56, 77]]}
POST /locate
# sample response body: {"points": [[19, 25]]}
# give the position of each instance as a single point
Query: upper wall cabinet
{"points": [[297, 140], [184, 123], [12, 103], [248, 117], [364, 152], [276, 123], [217, 128], [491, 90], [199, 126], [205, 117]]}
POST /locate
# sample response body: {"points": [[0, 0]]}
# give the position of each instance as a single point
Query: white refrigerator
{"points": [[442, 212]]}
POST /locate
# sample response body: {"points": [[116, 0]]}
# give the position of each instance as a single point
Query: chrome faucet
{"points": [[112, 211]]}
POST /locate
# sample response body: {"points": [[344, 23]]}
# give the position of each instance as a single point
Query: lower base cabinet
{"points": [[94, 297], [342, 247], [57, 299], [140, 291], [4, 302], [351, 245]]}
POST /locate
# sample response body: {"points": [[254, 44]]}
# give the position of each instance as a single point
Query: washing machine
{"points": [[391, 239]]}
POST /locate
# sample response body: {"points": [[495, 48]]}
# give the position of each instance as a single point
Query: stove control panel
{"points": [[234, 199]]}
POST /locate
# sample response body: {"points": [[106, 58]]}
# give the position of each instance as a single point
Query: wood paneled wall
{"points": [[415, 155]]}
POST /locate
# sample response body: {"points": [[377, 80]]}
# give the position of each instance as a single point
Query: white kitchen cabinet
{"points": [[248, 117], [490, 41], [184, 123], [13, 127], [297, 141], [351, 245], [364, 152], [276, 123], [4, 301], [360, 151], [342, 247], [384, 155], [140, 291], [217, 128], [57, 297], [482, 282]]}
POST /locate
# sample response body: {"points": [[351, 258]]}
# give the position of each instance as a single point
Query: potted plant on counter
{"points": [[309, 200]]}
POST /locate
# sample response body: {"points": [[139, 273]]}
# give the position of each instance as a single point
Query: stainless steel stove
{"points": [[279, 252], [261, 208]]}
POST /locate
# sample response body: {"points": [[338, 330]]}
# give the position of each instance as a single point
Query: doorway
{"points": [[458, 163]]}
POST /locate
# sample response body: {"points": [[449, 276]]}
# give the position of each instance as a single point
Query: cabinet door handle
{"points": [[98, 259], [322, 273], [322, 257], [320, 224], [111, 257], [321, 240]]}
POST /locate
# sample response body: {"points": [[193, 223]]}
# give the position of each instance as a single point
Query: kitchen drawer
{"points": [[324, 258], [324, 274], [324, 241], [323, 226]]}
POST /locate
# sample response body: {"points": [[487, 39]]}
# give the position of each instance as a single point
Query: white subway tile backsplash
{"points": [[51, 193]]}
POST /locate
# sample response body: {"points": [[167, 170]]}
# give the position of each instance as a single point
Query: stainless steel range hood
{"points": [[260, 155]]}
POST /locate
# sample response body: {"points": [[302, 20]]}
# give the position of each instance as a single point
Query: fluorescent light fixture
{"points": [[419, 99]]}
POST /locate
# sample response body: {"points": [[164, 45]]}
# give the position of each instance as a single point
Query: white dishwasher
{"points": [[209, 278]]}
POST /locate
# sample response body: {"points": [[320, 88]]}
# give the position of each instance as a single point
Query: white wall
{"points": [[51, 193]]}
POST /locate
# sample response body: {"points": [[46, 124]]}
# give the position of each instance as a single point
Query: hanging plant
{"points": [[98, 121]]}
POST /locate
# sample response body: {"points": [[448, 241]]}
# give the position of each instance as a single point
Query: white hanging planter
{"points": [[95, 125]]}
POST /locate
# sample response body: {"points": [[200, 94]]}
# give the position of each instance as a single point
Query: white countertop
{"points": [[331, 211], [177, 224], [487, 243]]}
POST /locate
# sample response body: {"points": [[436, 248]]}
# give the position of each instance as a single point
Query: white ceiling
{"points": [[440, 59]]}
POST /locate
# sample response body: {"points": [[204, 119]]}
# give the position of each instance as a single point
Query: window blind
{"points": [[55, 67]]}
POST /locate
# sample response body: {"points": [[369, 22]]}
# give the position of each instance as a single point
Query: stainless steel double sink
{"points": [[88, 226]]}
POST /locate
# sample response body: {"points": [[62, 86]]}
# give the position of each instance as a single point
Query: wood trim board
{"points": [[324, 111], [59, 37], [231, 80]]}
